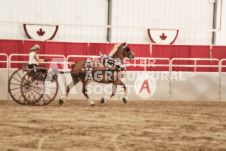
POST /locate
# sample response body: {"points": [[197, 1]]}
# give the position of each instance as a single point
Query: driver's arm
{"points": [[39, 60]]}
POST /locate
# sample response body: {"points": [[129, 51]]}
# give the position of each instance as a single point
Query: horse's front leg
{"points": [[125, 97]]}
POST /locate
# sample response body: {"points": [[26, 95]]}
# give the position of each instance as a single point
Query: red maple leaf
{"points": [[40, 32], [163, 37]]}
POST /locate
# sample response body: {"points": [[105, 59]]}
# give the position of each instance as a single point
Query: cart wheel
{"points": [[14, 88], [39, 87], [31, 86]]}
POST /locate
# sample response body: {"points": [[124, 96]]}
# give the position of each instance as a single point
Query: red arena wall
{"points": [[139, 50]]}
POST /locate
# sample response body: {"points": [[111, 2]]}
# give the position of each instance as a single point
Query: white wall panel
{"points": [[199, 86], [220, 36], [4, 84], [186, 14], [85, 12], [55, 11]]}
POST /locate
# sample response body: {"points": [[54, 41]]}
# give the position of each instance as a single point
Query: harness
{"points": [[111, 62]]}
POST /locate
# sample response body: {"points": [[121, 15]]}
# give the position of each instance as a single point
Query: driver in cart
{"points": [[33, 58]]}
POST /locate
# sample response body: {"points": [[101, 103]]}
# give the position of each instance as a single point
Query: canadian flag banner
{"points": [[163, 36], [40, 32]]}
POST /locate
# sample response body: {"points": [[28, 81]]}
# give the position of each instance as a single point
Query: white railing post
{"points": [[6, 61], [195, 65], [220, 79]]}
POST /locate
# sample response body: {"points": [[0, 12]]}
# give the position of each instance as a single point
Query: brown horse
{"points": [[86, 71]]}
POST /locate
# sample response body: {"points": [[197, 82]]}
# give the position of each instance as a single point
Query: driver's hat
{"points": [[35, 47]]}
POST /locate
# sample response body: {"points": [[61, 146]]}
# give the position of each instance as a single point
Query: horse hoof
{"points": [[124, 100], [61, 102], [102, 101], [92, 105]]}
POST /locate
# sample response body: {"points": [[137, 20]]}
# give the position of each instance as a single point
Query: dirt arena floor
{"points": [[113, 126]]}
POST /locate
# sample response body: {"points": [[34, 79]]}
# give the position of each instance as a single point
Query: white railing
{"points": [[149, 62], [81, 56], [145, 63], [221, 65], [195, 65], [27, 55], [6, 61]]}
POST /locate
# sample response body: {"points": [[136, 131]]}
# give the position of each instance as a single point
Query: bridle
{"points": [[128, 50]]}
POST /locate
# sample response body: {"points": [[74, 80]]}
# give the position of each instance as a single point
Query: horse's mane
{"points": [[114, 50]]}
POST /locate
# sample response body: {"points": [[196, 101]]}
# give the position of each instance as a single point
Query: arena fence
{"points": [[198, 86], [4, 60]]}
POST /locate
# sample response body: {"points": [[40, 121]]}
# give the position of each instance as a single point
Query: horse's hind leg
{"points": [[106, 98], [125, 98], [84, 91], [63, 98]]}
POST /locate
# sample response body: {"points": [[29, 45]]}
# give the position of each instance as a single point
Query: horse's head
{"points": [[126, 51], [121, 51]]}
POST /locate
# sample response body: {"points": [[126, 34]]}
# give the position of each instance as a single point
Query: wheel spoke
{"points": [[14, 84], [19, 75], [15, 88], [18, 92], [20, 97], [36, 91], [34, 95], [29, 95], [48, 96], [16, 79]]}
